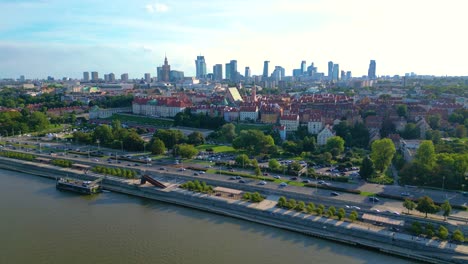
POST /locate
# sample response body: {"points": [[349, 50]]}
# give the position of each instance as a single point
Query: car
{"points": [[265, 174], [375, 210], [238, 177], [262, 183], [129, 164], [347, 206], [394, 229], [395, 213], [161, 168], [202, 172], [283, 184], [374, 199], [231, 170], [277, 177], [334, 194], [405, 194], [241, 181], [293, 178], [321, 182], [306, 181], [195, 174], [136, 164], [356, 207], [232, 178]]}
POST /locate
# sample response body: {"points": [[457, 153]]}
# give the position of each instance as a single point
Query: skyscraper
{"points": [[147, 77], [265, 69], [124, 77], [330, 70], [278, 74], [200, 66], [248, 73], [234, 73], [85, 76], [94, 76], [218, 72], [336, 72], [303, 66], [228, 71], [111, 77], [371, 73], [166, 71]]}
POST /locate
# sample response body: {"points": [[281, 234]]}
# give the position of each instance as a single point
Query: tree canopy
{"points": [[382, 153]]}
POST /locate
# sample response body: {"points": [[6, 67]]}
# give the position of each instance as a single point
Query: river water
{"points": [[39, 224]]}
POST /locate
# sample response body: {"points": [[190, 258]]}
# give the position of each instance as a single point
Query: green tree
{"points": [[353, 216], [458, 236], [426, 205], [408, 204], [254, 141], [402, 110], [282, 201], [429, 230], [292, 203], [382, 153], [196, 138], [411, 131], [133, 141], [460, 131], [446, 208], [319, 211], [310, 207], [157, 147], [38, 121], [228, 131], [367, 168], [425, 155], [331, 211], [443, 233], [186, 151], [258, 172], [341, 213], [273, 164], [242, 160], [416, 228], [434, 121], [170, 137], [103, 133], [300, 206], [336, 143]]}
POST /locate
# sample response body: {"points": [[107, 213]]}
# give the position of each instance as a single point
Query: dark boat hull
{"points": [[78, 189]]}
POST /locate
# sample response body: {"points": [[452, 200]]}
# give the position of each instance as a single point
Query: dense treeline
{"points": [[186, 118], [124, 173], [62, 163], [13, 98], [197, 186], [17, 155], [24, 121]]}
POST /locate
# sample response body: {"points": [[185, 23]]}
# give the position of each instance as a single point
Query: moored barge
{"points": [[79, 186]]}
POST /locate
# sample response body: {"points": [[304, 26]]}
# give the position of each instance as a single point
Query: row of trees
{"points": [[442, 232], [253, 197], [17, 155], [62, 163], [319, 210], [427, 206], [197, 186], [15, 122], [186, 118], [125, 173]]}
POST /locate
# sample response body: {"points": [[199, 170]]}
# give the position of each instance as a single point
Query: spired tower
{"points": [[166, 71]]}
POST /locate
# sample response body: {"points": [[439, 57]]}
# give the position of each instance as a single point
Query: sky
{"points": [[64, 38]]}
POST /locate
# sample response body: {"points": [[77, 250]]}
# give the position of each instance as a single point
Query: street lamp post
{"points": [[121, 145]]}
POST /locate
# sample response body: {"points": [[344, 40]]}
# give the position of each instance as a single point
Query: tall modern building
{"points": [[303, 66], [200, 67], [166, 71], [234, 73], [106, 77], [371, 73], [330, 70], [85, 76], [265, 69], [248, 73], [147, 77], [218, 72], [111, 77], [124, 77], [228, 71], [336, 72], [348, 75], [278, 74], [94, 76]]}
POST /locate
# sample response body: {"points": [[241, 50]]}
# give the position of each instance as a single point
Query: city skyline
{"points": [[400, 36]]}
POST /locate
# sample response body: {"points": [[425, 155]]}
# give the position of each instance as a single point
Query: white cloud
{"points": [[157, 7]]}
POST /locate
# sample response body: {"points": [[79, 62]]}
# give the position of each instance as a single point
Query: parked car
{"points": [[374, 199], [277, 177], [306, 181], [334, 194], [293, 178]]}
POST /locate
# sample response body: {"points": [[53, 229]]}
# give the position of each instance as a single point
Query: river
{"points": [[40, 224]]}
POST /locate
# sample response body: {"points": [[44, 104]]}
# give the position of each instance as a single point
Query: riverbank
{"points": [[314, 226]]}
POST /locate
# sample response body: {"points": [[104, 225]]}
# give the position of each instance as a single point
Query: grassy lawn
{"points": [[217, 148], [143, 120], [367, 193]]}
